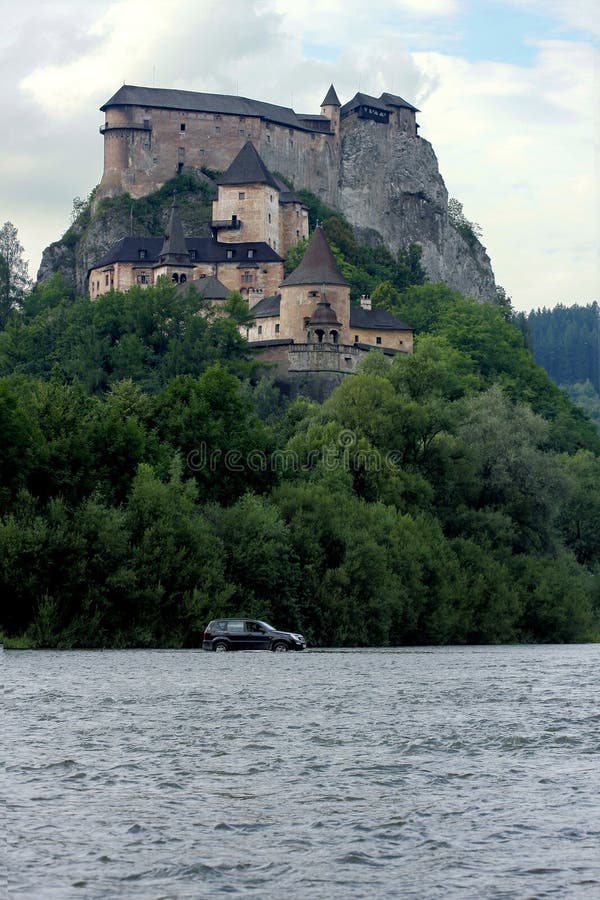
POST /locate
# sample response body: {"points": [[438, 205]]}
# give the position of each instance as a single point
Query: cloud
{"points": [[515, 142], [517, 147]]}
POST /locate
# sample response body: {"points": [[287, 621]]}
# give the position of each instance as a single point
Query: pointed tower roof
{"points": [[248, 168], [174, 249], [331, 98], [318, 265]]}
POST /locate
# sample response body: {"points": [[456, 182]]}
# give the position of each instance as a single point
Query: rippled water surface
{"points": [[415, 773]]}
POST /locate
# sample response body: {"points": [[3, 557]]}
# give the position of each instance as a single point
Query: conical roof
{"points": [[318, 265], [248, 168], [331, 98], [174, 249]]}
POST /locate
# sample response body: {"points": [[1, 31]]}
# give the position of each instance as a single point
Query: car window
{"points": [[255, 627], [218, 626], [235, 627]]}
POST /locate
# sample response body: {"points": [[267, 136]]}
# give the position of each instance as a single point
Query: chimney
{"points": [[365, 301]]}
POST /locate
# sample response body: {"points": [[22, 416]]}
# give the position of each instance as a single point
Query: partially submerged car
{"points": [[222, 635]]}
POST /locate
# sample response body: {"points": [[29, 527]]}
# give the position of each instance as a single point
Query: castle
{"points": [[303, 324], [151, 134]]}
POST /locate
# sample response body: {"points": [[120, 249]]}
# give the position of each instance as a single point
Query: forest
{"points": [[153, 476], [565, 340]]}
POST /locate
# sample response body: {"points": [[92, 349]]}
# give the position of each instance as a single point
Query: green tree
{"points": [[14, 279]]}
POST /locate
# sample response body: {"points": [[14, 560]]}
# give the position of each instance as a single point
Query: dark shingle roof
{"points": [[174, 250], [210, 288], [163, 98], [378, 319], [363, 100], [318, 265], [331, 98], [285, 194], [202, 249], [395, 100], [268, 306], [248, 168]]}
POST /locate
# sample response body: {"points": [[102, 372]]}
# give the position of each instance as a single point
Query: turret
{"points": [[174, 259], [330, 107], [301, 291]]}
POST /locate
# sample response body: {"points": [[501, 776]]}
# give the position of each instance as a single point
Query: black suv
{"points": [[248, 634]]}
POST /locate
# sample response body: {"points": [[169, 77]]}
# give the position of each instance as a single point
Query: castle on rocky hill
{"points": [[364, 158], [303, 325]]}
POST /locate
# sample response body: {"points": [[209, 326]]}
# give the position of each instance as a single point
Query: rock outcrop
{"points": [[396, 192]]}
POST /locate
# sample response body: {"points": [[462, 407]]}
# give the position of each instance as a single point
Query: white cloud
{"points": [[515, 143], [517, 146]]}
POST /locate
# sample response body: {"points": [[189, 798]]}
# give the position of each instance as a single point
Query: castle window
{"points": [[356, 339], [242, 118], [106, 279], [97, 285], [377, 340], [175, 277], [217, 128], [247, 277], [251, 254], [291, 143], [271, 197], [217, 116], [142, 254], [229, 254], [269, 217], [182, 126], [260, 329], [182, 279], [277, 328], [297, 233], [192, 254], [268, 139], [242, 132], [142, 278], [181, 153], [241, 195]]}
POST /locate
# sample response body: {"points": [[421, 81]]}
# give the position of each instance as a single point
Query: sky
{"points": [[509, 93]]}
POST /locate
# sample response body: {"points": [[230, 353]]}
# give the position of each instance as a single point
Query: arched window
{"points": [[182, 278], [175, 277], [334, 336]]}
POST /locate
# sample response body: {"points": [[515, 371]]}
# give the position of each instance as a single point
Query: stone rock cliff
{"points": [[389, 188], [391, 185]]}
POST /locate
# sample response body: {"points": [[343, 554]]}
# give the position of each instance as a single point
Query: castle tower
{"points": [[174, 259], [330, 107], [247, 206], [302, 289]]}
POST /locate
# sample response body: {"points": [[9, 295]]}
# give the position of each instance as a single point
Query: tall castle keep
{"points": [[364, 158]]}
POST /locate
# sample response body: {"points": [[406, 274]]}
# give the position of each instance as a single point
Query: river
{"points": [[421, 772]]}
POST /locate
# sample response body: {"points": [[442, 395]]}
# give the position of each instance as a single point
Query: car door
{"points": [[236, 632], [257, 638]]}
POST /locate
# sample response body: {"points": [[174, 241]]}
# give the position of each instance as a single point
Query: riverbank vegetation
{"points": [[151, 479]]}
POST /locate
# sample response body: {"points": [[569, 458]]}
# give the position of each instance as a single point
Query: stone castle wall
{"points": [[144, 147]]}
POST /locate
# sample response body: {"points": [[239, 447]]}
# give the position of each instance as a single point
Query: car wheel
{"points": [[280, 647], [221, 647]]}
